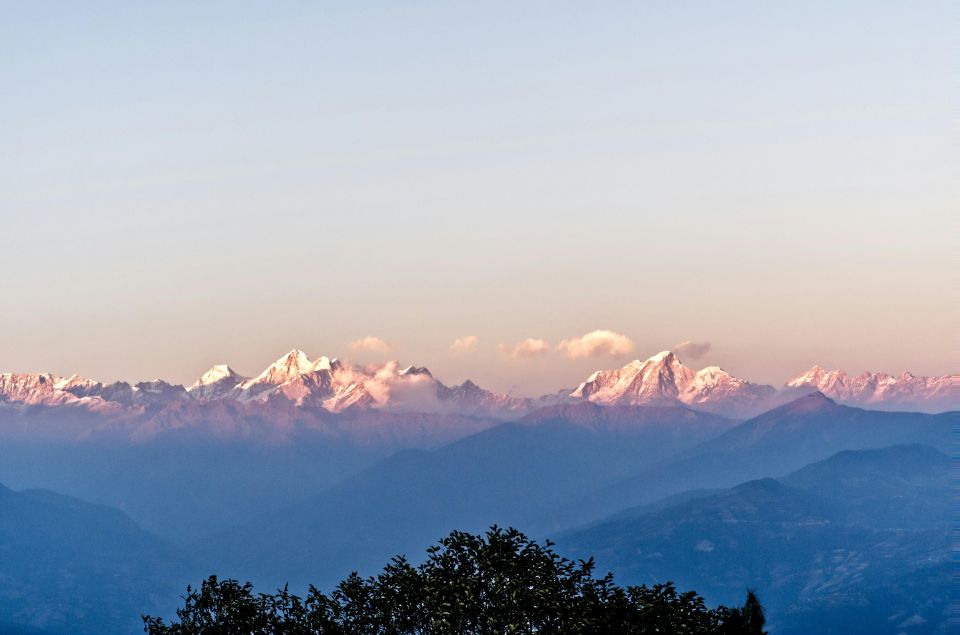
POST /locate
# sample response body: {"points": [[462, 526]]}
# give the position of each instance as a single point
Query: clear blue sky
{"points": [[184, 183]]}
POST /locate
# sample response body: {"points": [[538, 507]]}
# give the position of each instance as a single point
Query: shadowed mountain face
{"points": [[317, 503], [236, 462], [858, 543], [188, 481], [71, 567], [556, 468], [806, 430], [897, 487], [508, 475], [180, 489]]}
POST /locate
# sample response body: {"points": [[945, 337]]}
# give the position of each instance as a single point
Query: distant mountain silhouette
{"points": [[510, 475], [184, 487], [858, 543], [69, 566], [786, 438]]}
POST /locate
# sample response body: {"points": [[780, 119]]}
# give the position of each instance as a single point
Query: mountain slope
{"points": [[831, 548], [806, 430], [509, 475], [72, 567]]}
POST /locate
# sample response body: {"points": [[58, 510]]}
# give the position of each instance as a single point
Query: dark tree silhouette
{"points": [[747, 619], [498, 583]]}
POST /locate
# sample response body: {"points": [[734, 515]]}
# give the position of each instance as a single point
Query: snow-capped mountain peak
{"points": [[715, 390], [330, 385], [905, 391], [712, 376], [291, 365], [32, 389], [415, 370], [812, 377], [217, 373], [325, 363], [288, 368], [664, 378], [74, 382], [216, 383], [657, 378], [662, 357]]}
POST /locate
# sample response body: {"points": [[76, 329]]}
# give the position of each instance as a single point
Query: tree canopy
{"points": [[498, 583]]}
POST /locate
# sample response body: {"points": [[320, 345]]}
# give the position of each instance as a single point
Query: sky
{"points": [[183, 184]]}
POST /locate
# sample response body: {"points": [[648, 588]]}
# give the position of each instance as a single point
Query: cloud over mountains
{"points": [[526, 349], [599, 343], [692, 350], [370, 344], [465, 344]]}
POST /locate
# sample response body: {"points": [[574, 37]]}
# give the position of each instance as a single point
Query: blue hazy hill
{"points": [[857, 543]]}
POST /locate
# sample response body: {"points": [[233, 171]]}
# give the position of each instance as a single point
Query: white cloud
{"points": [[465, 344], [691, 350], [371, 344], [526, 349], [596, 344]]}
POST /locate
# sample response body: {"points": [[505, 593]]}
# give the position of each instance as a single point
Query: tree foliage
{"points": [[498, 583]]}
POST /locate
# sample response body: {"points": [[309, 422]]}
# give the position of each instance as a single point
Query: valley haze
{"points": [[316, 468]]}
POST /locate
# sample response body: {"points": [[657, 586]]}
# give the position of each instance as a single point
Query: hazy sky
{"points": [[185, 183]]}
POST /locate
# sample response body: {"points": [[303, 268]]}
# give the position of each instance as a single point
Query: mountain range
{"points": [[785, 438], [559, 467], [513, 473], [855, 543], [343, 491], [295, 387]]}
